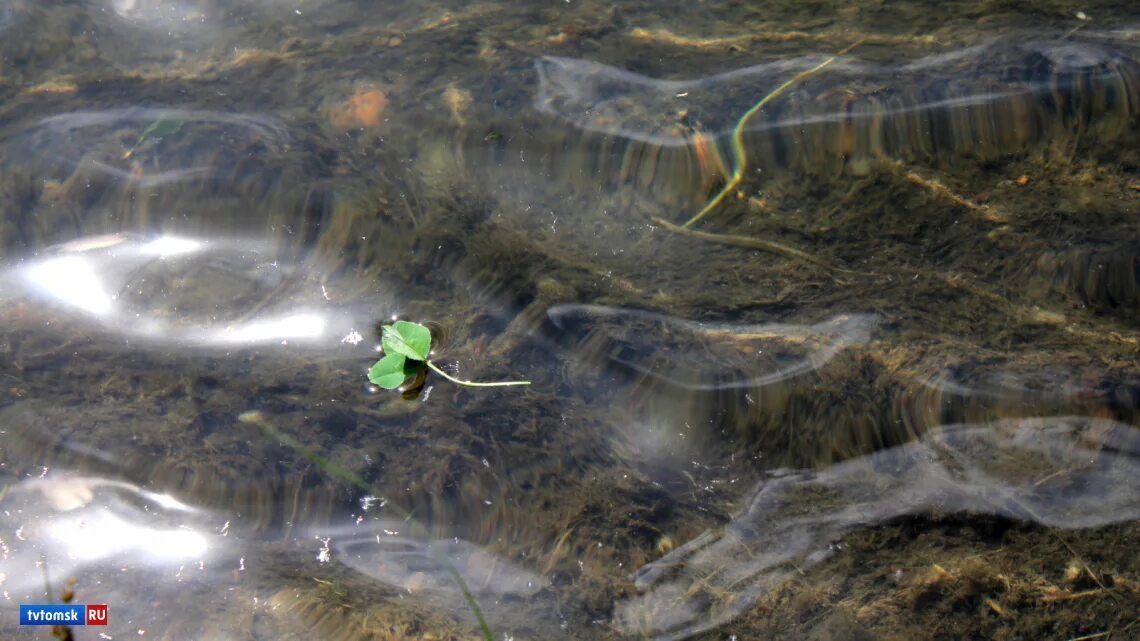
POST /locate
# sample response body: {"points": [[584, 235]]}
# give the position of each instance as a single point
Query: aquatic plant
{"points": [[255, 417], [740, 162], [406, 350], [740, 155], [165, 125]]}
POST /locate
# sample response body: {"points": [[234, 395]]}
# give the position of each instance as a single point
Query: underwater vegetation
{"points": [[828, 318]]}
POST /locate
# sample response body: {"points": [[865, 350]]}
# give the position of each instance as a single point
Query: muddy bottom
{"points": [[828, 314]]}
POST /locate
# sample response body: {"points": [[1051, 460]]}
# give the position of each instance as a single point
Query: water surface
{"points": [[887, 387]]}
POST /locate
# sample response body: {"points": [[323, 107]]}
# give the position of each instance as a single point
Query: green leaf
{"points": [[410, 339], [162, 127], [388, 372]]}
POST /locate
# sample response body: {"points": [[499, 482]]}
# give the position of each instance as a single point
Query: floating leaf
{"points": [[407, 346], [410, 339], [389, 372]]}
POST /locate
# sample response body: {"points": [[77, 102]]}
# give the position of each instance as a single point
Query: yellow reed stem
{"points": [[740, 156]]}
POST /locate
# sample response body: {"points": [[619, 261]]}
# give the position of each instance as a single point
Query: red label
{"points": [[97, 614]]}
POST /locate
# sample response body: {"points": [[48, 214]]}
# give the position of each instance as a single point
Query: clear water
{"points": [[885, 387]]}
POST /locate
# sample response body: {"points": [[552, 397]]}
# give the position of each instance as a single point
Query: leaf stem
{"points": [[470, 383]]}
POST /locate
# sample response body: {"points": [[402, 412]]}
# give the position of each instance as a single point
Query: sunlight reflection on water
{"points": [[1062, 472], [107, 277], [194, 231]]}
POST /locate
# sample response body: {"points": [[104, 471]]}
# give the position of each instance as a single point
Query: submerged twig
{"points": [[750, 242], [1092, 575], [942, 191], [743, 241], [1090, 637], [667, 37]]}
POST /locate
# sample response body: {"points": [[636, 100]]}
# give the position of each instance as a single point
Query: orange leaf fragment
{"points": [[364, 109]]}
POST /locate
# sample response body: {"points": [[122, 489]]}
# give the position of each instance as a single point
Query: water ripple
{"points": [[1066, 472]]}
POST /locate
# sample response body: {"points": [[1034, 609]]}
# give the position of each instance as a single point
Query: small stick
{"points": [[664, 36], [1074, 595], [1088, 637], [743, 241], [1091, 574], [749, 242], [989, 213]]}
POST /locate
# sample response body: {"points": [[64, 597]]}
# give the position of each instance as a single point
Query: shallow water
{"points": [[885, 388]]}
